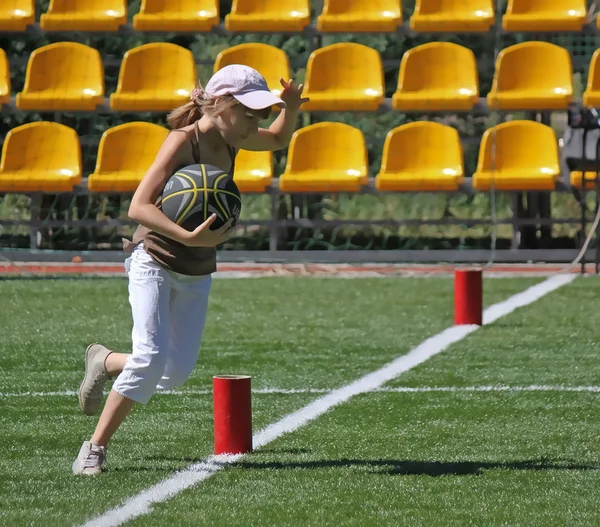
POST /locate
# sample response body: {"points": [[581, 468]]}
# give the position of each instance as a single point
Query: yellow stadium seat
{"points": [[591, 96], [177, 15], [437, 76], [253, 170], [84, 15], [532, 76], [592, 180], [452, 15], [154, 77], [420, 157], [63, 76], [272, 62], [40, 157], [124, 155], [326, 157], [358, 15], [4, 78], [545, 15], [16, 15], [345, 76], [268, 15], [518, 155]]}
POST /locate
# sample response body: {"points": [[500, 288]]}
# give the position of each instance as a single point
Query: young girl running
{"points": [[169, 268]]}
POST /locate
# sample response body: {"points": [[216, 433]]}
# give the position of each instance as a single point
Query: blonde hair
{"points": [[201, 103]]}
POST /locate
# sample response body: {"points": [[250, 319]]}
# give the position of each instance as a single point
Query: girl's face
{"points": [[239, 122]]}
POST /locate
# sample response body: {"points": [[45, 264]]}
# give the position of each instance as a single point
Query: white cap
{"points": [[245, 84]]}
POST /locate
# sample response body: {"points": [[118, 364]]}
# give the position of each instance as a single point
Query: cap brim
{"points": [[259, 99]]}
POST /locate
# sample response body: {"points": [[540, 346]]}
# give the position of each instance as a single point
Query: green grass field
{"points": [[434, 447]]}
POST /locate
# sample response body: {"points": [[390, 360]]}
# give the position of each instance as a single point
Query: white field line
{"points": [[397, 389], [142, 503]]}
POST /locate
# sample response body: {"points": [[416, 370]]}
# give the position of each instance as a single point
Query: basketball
{"points": [[195, 192]]}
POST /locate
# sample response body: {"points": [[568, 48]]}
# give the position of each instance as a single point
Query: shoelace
{"points": [[94, 457], [97, 388], [96, 391]]}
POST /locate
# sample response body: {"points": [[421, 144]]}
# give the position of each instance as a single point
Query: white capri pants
{"points": [[169, 311]]}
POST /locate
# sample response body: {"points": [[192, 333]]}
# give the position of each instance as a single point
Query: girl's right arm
{"points": [[143, 210]]}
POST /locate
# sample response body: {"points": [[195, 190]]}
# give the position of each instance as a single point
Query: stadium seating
{"points": [[545, 15], [438, 76], [421, 156], [518, 155], [154, 77], [532, 76], [16, 15], [253, 170], [592, 179], [63, 76], [345, 76], [84, 15], [326, 157], [40, 157], [268, 15], [177, 15], [358, 15], [4, 78], [124, 155], [272, 62], [591, 96], [452, 16]]}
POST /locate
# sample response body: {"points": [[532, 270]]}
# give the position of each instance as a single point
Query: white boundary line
{"points": [[398, 389], [142, 503]]}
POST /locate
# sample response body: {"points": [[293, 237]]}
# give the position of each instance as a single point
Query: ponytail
{"points": [[199, 104], [190, 112], [184, 115]]}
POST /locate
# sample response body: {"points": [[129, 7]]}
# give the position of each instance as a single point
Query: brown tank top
{"points": [[170, 254]]}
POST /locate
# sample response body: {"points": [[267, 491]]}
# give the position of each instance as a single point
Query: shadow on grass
{"points": [[392, 467], [420, 468]]}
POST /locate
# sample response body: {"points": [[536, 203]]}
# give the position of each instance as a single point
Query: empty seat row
{"points": [[323, 157], [46, 157], [421, 156], [438, 76], [294, 15]]}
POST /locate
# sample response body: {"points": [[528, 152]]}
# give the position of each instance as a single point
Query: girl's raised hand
{"points": [[291, 95]]}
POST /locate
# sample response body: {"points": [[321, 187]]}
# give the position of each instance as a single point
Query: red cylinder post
{"points": [[232, 414], [468, 296]]}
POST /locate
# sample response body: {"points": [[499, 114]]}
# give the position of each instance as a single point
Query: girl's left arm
{"points": [[278, 135]]}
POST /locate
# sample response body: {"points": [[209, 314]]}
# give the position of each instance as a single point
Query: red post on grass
{"points": [[468, 296], [233, 414]]}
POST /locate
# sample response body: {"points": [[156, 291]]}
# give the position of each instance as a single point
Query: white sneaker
{"points": [[90, 460], [91, 390]]}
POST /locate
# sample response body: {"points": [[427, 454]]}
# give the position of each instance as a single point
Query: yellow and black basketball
{"points": [[195, 192]]}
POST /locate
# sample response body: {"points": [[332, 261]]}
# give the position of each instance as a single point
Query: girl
{"points": [[170, 268]]}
